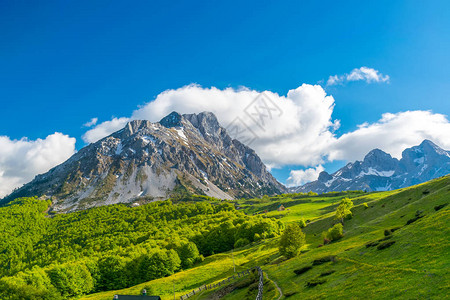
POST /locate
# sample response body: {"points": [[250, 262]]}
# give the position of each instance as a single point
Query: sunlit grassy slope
{"points": [[414, 267]]}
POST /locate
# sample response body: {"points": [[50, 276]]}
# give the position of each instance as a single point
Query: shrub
{"points": [[315, 282], [438, 207], [324, 259], [302, 223], [385, 245], [326, 273], [291, 240], [387, 232], [302, 270], [372, 244], [336, 232], [289, 294], [395, 228], [410, 221]]}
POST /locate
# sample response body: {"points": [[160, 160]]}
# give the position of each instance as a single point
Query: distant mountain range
{"points": [[181, 153], [381, 172]]}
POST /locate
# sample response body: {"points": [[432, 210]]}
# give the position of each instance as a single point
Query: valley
{"points": [[415, 266]]}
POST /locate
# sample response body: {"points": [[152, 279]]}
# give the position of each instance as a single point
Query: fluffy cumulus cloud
{"points": [[392, 134], [293, 129], [300, 177], [366, 74], [21, 160]]}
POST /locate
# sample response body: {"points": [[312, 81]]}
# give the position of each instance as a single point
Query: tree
{"points": [[344, 210], [28, 285], [291, 240], [112, 273], [188, 254], [159, 264], [71, 279]]}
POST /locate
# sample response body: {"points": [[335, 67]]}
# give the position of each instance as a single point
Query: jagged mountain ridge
{"points": [[379, 171], [155, 160]]}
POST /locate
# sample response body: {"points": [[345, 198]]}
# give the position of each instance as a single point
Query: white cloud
{"points": [[297, 129], [392, 134], [91, 123], [300, 177], [366, 74], [104, 129], [21, 160], [292, 129]]}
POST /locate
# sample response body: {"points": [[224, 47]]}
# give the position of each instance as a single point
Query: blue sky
{"points": [[65, 62]]}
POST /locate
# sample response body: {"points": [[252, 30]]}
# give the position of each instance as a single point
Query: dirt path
{"points": [[276, 285]]}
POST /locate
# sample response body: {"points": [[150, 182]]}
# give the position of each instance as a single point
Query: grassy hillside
{"points": [[411, 262]]}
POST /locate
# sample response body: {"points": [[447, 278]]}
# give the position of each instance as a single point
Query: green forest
{"points": [[60, 256]]}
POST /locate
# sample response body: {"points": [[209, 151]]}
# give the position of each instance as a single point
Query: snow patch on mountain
{"points": [[375, 172]]}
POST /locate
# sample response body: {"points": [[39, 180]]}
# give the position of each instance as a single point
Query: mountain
{"points": [[381, 172], [180, 154]]}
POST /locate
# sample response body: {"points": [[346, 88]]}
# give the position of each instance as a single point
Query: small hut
{"points": [[281, 208]]}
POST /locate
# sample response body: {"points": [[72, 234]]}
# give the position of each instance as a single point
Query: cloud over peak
{"points": [[295, 129], [291, 129]]}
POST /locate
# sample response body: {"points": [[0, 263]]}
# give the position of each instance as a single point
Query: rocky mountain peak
{"points": [[324, 177], [180, 154], [135, 125], [379, 171], [379, 160], [206, 122], [171, 120]]}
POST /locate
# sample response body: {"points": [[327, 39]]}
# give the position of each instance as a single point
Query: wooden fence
{"points": [[226, 281]]}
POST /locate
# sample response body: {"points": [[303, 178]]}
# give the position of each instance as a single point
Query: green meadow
{"points": [[395, 246]]}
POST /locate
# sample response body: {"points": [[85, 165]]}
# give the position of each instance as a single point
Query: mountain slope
{"points": [[381, 172], [414, 267], [179, 154]]}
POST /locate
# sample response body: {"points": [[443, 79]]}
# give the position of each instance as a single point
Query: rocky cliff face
{"points": [[380, 172], [181, 153]]}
